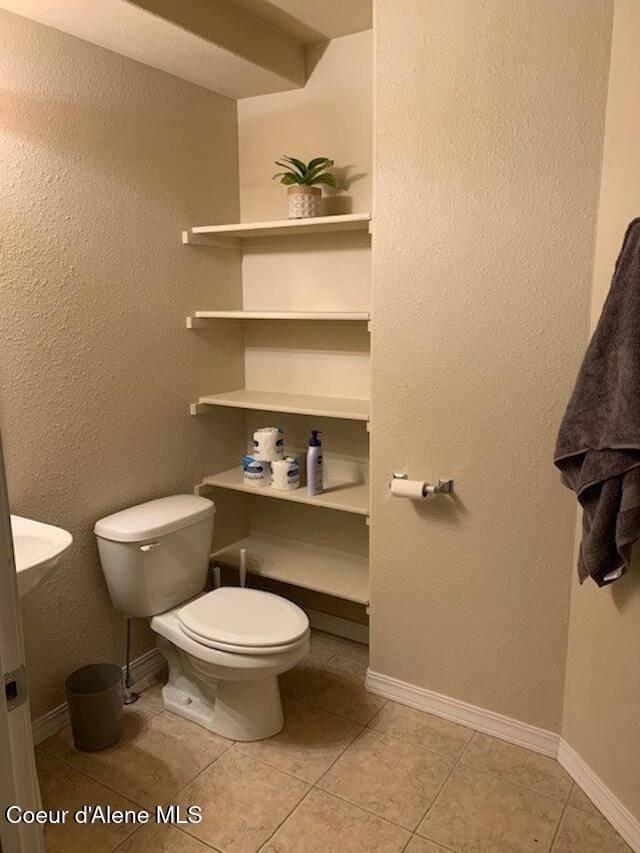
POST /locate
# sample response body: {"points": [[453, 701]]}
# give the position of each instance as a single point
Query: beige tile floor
{"points": [[349, 773]]}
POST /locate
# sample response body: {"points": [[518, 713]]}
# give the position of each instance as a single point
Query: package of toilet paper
{"points": [[268, 444]]}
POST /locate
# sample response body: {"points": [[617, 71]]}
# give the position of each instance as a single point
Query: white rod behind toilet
{"points": [[243, 566]]}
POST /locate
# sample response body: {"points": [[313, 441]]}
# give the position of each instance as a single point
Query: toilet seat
{"points": [[244, 621]]}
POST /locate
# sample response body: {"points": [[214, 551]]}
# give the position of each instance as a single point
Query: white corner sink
{"points": [[37, 548]]}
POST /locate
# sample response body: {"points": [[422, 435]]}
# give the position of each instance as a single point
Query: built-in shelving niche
{"points": [[305, 318]]}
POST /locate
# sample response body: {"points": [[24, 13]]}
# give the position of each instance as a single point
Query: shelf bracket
{"points": [[200, 409], [197, 323], [190, 239]]}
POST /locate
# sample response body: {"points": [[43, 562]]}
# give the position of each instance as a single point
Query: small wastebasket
{"points": [[94, 696]]}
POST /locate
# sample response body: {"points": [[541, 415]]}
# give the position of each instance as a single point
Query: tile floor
{"points": [[349, 773]]}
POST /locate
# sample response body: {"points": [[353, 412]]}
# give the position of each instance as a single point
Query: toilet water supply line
{"points": [[129, 696], [217, 580]]}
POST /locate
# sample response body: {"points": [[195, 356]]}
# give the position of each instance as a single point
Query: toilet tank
{"points": [[155, 555]]}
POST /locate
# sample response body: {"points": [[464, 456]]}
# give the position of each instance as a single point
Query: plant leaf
{"points": [[300, 166], [287, 166], [319, 161], [328, 179], [319, 169], [288, 178]]}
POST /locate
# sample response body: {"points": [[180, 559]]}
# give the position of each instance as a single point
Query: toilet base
{"points": [[242, 710]]}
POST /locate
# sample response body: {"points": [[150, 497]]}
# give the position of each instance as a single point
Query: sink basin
{"points": [[38, 548]]}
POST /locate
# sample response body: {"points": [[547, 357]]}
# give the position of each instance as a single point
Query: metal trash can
{"points": [[94, 696]]}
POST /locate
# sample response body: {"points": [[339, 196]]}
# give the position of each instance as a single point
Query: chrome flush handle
{"points": [[149, 546]]}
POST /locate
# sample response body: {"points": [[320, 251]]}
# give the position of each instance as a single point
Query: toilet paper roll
{"points": [[268, 444], [255, 473], [415, 490], [285, 474]]}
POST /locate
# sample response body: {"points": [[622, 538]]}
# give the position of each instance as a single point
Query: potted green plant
{"points": [[304, 181]]}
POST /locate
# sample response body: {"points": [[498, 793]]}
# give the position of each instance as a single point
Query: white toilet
{"points": [[225, 648]]}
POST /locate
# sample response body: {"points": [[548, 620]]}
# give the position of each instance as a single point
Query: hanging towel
{"points": [[598, 447]]}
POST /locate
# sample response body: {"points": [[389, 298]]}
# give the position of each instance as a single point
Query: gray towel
{"points": [[598, 447]]}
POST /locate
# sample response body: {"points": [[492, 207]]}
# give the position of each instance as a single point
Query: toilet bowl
{"points": [[226, 678], [224, 648]]}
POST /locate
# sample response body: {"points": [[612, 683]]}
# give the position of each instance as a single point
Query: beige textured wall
{"points": [[602, 700], [488, 142], [102, 162]]}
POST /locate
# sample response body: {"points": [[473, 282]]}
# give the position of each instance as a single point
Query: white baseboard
{"points": [[146, 668], [489, 722], [338, 626], [50, 723], [615, 812], [144, 671]]}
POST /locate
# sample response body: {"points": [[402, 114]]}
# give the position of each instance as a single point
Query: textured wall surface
{"points": [[602, 700], [102, 162], [488, 143]]}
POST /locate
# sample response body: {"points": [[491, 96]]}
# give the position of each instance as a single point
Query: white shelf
{"points": [[338, 495], [279, 315], [324, 570], [279, 227], [297, 404]]}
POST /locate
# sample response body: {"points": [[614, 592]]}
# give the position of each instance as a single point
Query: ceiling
{"points": [[238, 48]]}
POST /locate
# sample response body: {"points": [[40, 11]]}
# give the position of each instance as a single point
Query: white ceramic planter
{"points": [[304, 202]]}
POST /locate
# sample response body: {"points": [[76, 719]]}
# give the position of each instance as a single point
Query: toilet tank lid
{"points": [[154, 518]]}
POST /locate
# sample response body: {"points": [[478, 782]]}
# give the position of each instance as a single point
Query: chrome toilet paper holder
{"points": [[443, 486]]}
